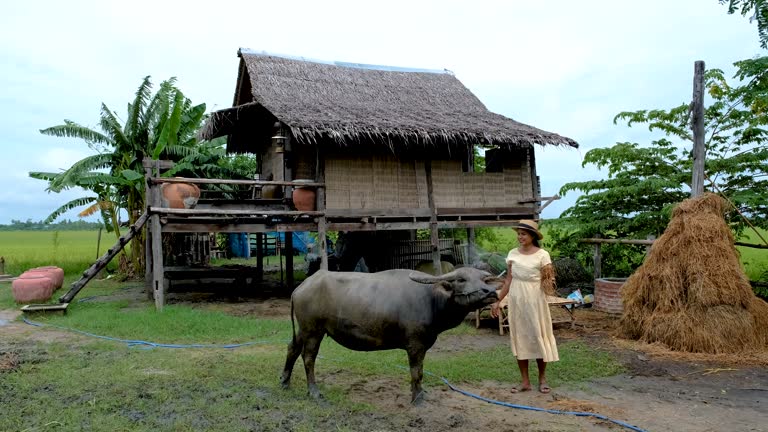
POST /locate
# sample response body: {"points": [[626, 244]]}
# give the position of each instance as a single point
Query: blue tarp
{"points": [[239, 245]]}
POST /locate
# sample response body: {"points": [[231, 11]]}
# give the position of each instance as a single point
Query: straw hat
{"points": [[530, 226]]}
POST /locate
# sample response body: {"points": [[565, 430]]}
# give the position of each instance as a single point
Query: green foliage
{"points": [[759, 12], [65, 225], [644, 182], [162, 125]]}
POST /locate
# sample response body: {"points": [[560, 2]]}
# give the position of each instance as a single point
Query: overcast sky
{"points": [[563, 66]]}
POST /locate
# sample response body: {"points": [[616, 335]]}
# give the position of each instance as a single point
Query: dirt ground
{"points": [[660, 390]]}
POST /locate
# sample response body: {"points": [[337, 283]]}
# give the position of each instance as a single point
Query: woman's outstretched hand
{"points": [[495, 310]]}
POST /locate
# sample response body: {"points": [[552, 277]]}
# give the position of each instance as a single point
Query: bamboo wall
{"points": [[365, 182]]}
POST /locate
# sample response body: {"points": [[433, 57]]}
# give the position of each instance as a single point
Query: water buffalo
{"points": [[385, 310]]}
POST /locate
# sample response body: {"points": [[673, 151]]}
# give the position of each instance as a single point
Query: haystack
{"points": [[691, 293]]}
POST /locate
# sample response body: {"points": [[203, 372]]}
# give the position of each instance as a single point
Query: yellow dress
{"points": [[530, 323]]}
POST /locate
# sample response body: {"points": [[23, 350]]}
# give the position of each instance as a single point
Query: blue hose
{"points": [[531, 408], [150, 345]]}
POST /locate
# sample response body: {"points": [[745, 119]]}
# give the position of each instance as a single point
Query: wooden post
{"points": [[535, 183], [470, 246], [260, 256], [697, 124], [650, 237], [320, 206], [158, 272], [597, 258], [433, 234], [289, 260], [149, 190]]}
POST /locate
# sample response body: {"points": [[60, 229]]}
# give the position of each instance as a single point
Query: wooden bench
{"points": [[551, 301]]}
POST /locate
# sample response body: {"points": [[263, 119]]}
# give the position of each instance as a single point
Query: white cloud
{"points": [[563, 66]]}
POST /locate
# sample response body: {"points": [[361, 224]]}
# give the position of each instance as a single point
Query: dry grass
{"points": [[690, 293], [8, 361]]}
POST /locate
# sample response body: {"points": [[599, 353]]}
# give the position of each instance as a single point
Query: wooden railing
{"points": [[597, 241]]}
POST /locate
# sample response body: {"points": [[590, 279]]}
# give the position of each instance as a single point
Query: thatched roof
{"points": [[348, 102]]}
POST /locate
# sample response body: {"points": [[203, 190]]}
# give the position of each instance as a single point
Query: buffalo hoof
{"points": [[315, 393], [285, 385], [419, 398]]}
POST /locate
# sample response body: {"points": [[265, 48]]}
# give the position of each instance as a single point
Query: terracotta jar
{"points": [[56, 273], [179, 195], [304, 198], [32, 287]]}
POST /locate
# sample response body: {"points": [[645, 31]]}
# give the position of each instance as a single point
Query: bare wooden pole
{"points": [[158, 272], [471, 250], [597, 260], [322, 248], [697, 124], [102, 262], [433, 234]]}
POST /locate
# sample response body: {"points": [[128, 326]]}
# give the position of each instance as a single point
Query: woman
{"points": [[530, 277]]}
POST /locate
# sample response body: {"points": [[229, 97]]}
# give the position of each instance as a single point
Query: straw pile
{"points": [[691, 293]]}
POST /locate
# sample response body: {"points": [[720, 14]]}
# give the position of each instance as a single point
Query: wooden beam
{"points": [[470, 245], [548, 202], [697, 124], [233, 182], [598, 240], [597, 260], [320, 205], [158, 275], [159, 164], [433, 234], [208, 225], [233, 212], [104, 260], [260, 256], [289, 260], [483, 211], [149, 189], [361, 213], [751, 245]]}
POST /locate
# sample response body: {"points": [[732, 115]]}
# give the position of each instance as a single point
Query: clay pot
{"points": [[179, 195], [271, 192], [32, 287], [304, 198], [56, 273]]}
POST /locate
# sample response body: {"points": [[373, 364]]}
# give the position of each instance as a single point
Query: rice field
{"points": [[73, 251]]}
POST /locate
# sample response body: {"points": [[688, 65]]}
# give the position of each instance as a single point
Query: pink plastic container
{"points": [[56, 273], [32, 287]]}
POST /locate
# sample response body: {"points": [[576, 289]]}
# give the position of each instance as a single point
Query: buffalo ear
{"points": [[443, 289], [494, 281]]}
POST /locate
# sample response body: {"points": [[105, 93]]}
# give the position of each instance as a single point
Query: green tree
{"points": [[758, 11], [163, 125], [644, 182]]}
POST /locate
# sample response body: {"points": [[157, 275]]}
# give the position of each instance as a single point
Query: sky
{"points": [[561, 65]]}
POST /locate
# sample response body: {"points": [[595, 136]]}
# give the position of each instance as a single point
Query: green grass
{"points": [[73, 251], [105, 385], [755, 260]]}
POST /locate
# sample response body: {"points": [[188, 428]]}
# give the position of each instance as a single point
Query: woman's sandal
{"points": [[520, 390], [545, 388]]}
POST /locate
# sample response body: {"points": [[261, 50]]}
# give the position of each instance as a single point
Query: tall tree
{"points": [[645, 181], [758, 11], [163, 125]]}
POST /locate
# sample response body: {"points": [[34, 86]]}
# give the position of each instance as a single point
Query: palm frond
{"points": [[69, 178], [75, 203], [111, 125], [71, 129], [134, 124]]}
